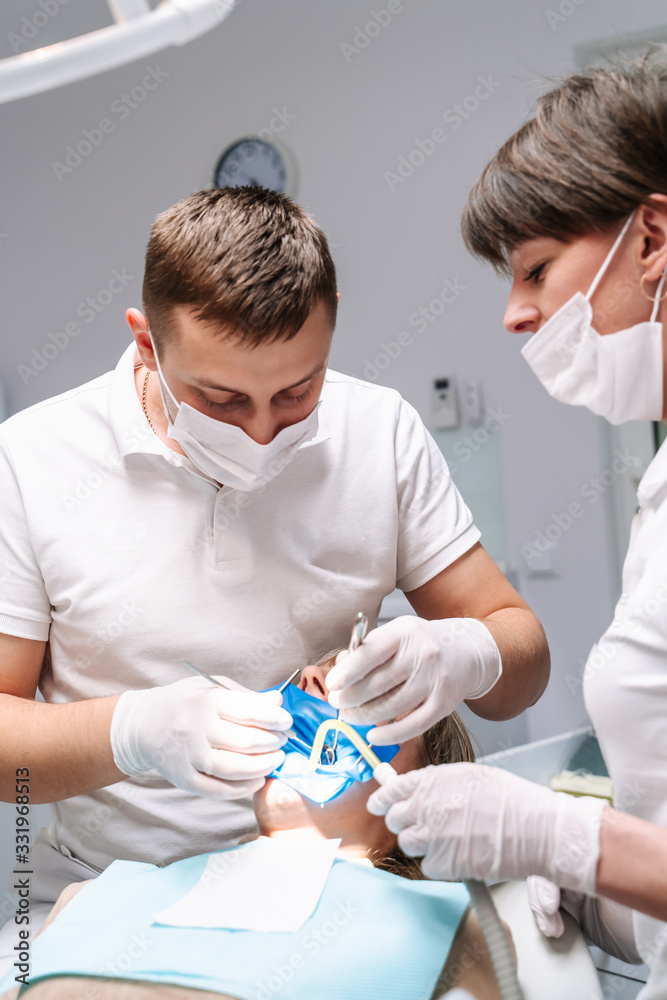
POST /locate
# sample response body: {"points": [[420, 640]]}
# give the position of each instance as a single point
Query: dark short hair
{"points": [[594, 151], [249, 261]]}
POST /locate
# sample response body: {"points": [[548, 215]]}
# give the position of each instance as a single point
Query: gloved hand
{"points": [[414, 669], [607, 924], [475, 821], [201, 738], [544, 901]]}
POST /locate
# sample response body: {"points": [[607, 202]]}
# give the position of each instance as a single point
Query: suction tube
{"points": [[500, 951]]}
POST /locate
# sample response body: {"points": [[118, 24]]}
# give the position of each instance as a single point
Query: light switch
{"points": [[473, 402], [541, 559]]}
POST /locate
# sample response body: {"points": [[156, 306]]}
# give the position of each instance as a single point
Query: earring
{"points": [[651, 298]]}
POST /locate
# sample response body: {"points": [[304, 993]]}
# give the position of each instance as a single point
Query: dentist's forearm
{"points": [[526, 664], [65, 749], [632, 868]]}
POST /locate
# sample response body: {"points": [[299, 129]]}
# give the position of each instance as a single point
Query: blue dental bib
{"points": [[372, 936], [329, 780]]}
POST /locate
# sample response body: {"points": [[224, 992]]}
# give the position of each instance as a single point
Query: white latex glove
{"points": [[544, 901], [605, 923], [199, 737], [414, 669], [475, 821]]}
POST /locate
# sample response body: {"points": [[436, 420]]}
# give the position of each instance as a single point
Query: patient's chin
{"points": [[279, 807]]}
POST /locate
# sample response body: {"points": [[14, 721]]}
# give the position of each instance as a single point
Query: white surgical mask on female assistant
{"points": [[618, 376], [225, 452]]}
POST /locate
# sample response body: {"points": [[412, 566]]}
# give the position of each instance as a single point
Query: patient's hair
{"points": [[447, 742], [595, 149], [249, 261]]}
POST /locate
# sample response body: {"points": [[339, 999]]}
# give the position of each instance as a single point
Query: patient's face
{"points": [[279, 807]]}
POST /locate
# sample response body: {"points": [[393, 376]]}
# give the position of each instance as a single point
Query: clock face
{"points": [[253, 162]]}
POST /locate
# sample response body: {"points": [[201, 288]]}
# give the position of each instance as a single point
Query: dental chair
{"points": [[549, 968]]}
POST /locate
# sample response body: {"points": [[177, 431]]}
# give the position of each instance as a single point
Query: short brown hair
{"points": [[595, 149], [250, 261]]}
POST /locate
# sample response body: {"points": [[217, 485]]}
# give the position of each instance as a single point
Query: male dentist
{"points": [[222, 497]]}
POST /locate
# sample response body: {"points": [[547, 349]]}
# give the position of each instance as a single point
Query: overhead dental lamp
{"points": [[138, 31]]}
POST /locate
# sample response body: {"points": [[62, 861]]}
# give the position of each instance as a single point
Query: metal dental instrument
{"points": [[359, 630], [225, 687], [288, 732], [207, 676], [289, 680], [382, 770]]}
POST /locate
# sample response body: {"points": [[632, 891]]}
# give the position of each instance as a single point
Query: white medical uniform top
{"points": [[625, 689], [129, 561]]}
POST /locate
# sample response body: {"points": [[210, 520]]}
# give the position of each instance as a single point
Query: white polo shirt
{"points": [[625, 688], [114, 548]]}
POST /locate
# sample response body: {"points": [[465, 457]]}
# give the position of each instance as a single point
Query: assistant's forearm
{"points": [[526, 664], [66, 748], [632, 868]]}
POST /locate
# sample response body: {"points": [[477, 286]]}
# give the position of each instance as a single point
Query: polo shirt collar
{"points": [[653, 483], [128, 421]]}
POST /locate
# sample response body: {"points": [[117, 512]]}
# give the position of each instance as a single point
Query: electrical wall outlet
{"points": [[445, 408]]}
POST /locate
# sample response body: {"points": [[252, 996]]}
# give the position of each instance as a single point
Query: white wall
{"points": [[61, 239]]}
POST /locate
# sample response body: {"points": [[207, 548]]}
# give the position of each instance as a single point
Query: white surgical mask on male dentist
{"points": [[618, 376], [225, 452]]}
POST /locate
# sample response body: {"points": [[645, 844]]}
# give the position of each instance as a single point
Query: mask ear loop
{"points": [[658, 297], [162, 382], [605, 264]]}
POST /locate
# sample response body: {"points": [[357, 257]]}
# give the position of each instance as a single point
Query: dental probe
{"points": [[288, 732], [359, 630], [289, 680], [207, 676]]}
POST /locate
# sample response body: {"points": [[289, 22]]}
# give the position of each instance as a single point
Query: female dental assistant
{"points": [[574, 206]]}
